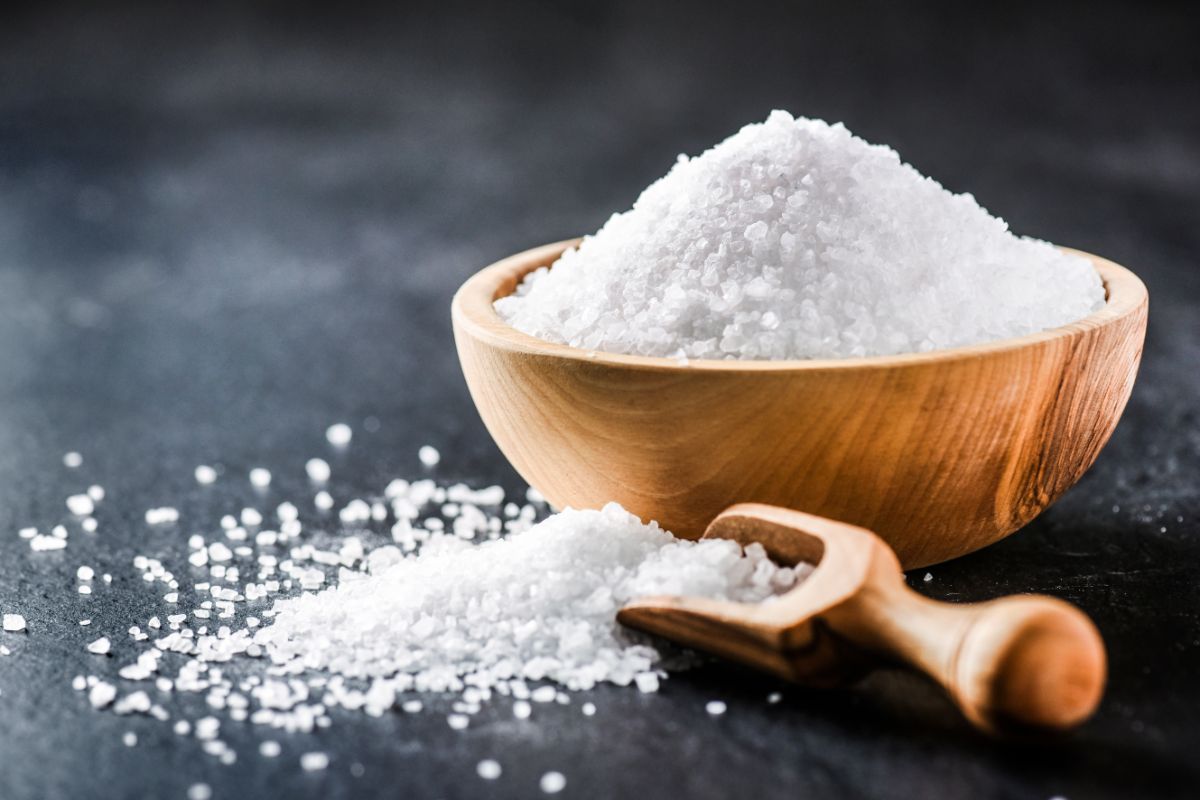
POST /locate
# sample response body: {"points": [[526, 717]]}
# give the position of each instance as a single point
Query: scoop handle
{"points": [[1015, 662]]}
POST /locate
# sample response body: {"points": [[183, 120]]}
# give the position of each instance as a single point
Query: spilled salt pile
{"points": [[423, 598], [795, 239], [539, 605]]}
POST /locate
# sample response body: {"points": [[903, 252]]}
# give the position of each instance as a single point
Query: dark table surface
{"points": [[223, 228]]}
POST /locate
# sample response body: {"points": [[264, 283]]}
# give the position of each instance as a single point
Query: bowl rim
{"points": [[473, 311]]}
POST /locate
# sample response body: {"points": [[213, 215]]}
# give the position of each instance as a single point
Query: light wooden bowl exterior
{"points": [[939, 453]]}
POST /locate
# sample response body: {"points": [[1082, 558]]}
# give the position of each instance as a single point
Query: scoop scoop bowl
{"points": [[939, 453], [1014, 663]]}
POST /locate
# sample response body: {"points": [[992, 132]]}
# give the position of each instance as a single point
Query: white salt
{"points": [[311, 762], [14, 623], [100, 647], [205, 474], [81, 505], [429, 456], [553, 782], [317, 469], [795, 239], [269, 749], [199, 791], [260, 478], [540, 605], [489, 769], [339, 434], [715, 707], [72, 460]]}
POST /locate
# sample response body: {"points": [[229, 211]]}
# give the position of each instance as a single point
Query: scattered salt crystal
{"points": [[102, 694], [251, 517], [588, 709], [312, 762], [521, 709], [458, 721], [260, 478], [339, 434], [205, 474], [199, 791], [72, 460], [85, 589], [100, 647], [317, 469], [552, 782], [96, 492], [162, 516], [928, 577], [130, 739], [715, 707], [27, 533], [80, 505], [89, 524], [489, 769], [269, 749], [323, 501], [79, 683], [14, 623], [774, 697], [795, 239], [85, 573], [429, 455], [647, 682]]}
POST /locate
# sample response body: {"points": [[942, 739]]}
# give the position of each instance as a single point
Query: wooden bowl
{"points": [[939, 453]]}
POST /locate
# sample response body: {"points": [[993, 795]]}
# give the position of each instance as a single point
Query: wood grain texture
{"points": [[1008, 664], [939, 453]]}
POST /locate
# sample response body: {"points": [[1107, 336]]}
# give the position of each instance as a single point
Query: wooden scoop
{"points": [[1015, 662]]}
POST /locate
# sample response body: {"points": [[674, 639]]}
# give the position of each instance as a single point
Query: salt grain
{"points": [[339, 434], [311, 762], [795, 239], [100, 647], [260, 478], [14, 623], [429, 456], [552, 782], [81, 505], [317, 469], [715, 707], [205, 474], [72, 460], [488, 769], [199, 791]]}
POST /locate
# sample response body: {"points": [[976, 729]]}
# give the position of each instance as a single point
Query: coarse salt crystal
{"points": [[260, 478], [312, 762], [339, 434], [489, 769], [14, 623], [715, 707], [72, 460], [429, 456], [100, 647], [81, 505], [317, 469], [552, 782], [205, 474]]}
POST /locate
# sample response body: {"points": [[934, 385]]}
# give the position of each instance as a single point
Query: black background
{"points": [[224, 227]]}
